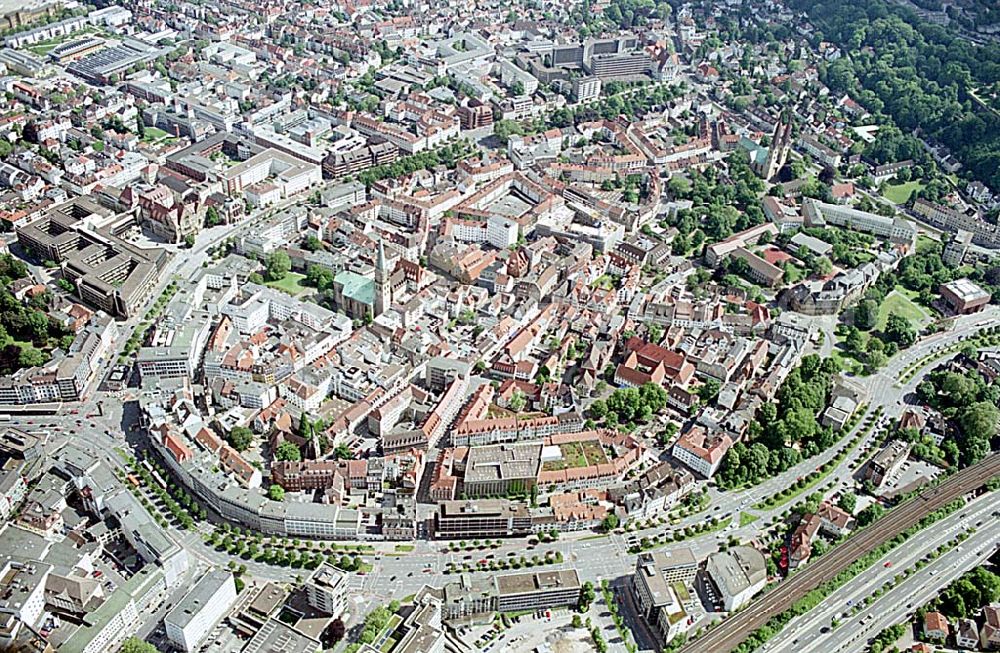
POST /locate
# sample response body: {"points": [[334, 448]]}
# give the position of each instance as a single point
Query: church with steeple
{"points": [[383, 283]]}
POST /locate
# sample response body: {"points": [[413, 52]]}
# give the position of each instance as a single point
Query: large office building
{"points": [[896, 230], [106, 64], [270, 176], [663, 599], [175, 350], [956, 248], [586, 89], [963, 296], [193, 618], [661, 585], [501, 469], [674, 566], [471, 596], [620, 65], [887, 462], [109, 273], [485, 518], [537, 590]]}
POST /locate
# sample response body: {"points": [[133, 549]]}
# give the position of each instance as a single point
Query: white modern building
{"points": [[738, 574], [327, 590], [897, 230], [205, 605]]}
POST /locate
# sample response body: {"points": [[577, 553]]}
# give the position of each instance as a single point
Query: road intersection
{"points": [[395, 576]]}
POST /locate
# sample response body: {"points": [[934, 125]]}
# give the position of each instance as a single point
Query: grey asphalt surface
{"points": [[396, 576], [805, 633]]}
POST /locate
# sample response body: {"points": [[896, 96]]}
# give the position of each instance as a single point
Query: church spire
{"points": [[383, 283]]}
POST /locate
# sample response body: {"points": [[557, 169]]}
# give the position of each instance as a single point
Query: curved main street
{"points": [[397, 575]]}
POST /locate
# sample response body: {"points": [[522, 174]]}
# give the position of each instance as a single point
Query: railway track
{"points": [[736, 628]]}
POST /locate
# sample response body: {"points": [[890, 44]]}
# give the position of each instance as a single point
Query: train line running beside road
{"points": [[731, 632]]}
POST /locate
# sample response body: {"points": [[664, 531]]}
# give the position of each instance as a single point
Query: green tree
{"points": [[276, 492], [305, 429], [212, 217], [871, 514], [965, 595], [899, 330], [136, 645], [319, 277], [287, 451], [276, 266], [241, 438], [587, 596], [865, 314], [709, 390], [848, 502], [978, 424], [609, 523], [30, 356]]}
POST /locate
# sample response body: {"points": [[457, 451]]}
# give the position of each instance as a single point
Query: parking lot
{"points": [[910, 475]]}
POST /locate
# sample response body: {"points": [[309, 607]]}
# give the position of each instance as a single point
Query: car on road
{"points": [[888, 563]]}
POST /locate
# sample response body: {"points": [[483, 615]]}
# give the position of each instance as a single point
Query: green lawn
{"points": [[573, 456], [900, 193], [154, 134], [42, 48], [291, 284], [793, 274], [847, 362], [897, 302], [925, 242], [746, 519], [606, 281]]}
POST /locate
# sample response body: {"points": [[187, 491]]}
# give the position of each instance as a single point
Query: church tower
{"points": [[781, 143], [383, 287]]}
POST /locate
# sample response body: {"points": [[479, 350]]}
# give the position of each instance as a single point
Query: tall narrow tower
{"points": [[383, 288]]}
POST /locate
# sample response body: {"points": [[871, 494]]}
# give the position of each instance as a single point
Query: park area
{"points": [[291, 283], [900, 303], [900, 193], [155, 135]]}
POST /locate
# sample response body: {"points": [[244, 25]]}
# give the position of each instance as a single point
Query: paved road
{"points": [[735, 629], [806, 632], [595, 559], [897, 605], [399, 576]]}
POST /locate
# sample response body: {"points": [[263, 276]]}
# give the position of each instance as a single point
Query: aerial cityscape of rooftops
{"points": [[413, 326]]}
